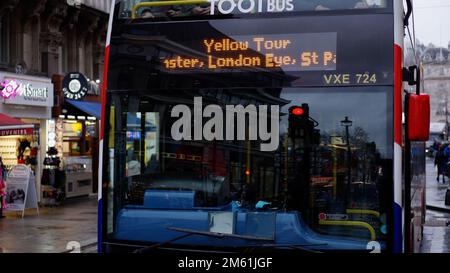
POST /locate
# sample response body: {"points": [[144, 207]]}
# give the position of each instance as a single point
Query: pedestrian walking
{"points": [[435, 147], [440, 161]]}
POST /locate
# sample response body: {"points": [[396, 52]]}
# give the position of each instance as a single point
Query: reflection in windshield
{"points": [[338, 5], [332, 162]]}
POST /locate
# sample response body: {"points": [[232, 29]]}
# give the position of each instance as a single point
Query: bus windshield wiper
{"points": [[303, 247], [191, 232], [219, 235]]}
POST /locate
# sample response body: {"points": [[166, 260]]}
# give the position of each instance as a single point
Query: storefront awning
{"points": [[10, 126], [91, 108]]}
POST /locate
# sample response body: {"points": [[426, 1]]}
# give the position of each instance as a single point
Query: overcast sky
{"points": [[432, 21]]}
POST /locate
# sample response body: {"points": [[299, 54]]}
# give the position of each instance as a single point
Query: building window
{"points": [[3, 39]]}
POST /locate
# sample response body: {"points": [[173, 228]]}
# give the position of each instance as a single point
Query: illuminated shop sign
{"points": [[27, 92], [30, 92], [75, 86], [132, 135], [287, 52], [9, 88], [16, 132], [228, 124]]}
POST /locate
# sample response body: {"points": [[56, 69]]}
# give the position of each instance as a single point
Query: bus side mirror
{"points": [[419, 117]]}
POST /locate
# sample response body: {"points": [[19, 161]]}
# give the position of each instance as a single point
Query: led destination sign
{"points": [[289, 52]]}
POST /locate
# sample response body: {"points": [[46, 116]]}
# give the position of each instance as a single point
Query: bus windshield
{"points": [[174, 156], [187, 8]]}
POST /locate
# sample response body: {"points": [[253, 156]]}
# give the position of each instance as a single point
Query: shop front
{"points": [[16, 142], [77, 138], [28, 100]]}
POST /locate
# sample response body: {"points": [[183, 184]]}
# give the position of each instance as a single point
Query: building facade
{"points": [[41, 41], [436, 80], [436, 69]]}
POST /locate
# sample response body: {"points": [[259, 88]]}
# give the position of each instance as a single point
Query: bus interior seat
{"points": [[169, 199]]}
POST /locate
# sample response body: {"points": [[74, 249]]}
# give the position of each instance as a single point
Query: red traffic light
{"points": [[297, 111]]}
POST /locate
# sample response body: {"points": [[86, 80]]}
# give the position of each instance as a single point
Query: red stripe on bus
{"points": [[104, 86], [398, 89]]}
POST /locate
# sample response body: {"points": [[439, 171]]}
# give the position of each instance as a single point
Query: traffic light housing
{"points": [[299, 111], [298, 120], [301, 126]]}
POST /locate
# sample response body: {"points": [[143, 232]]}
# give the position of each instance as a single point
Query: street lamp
{"points": [[347, 123]]}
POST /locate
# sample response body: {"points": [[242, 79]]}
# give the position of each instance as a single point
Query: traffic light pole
{"points": [[347, 123], [349, 167]]}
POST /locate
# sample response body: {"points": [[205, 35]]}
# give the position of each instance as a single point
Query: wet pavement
{"points": [[52, 230], [436, 232], [436, 191]]}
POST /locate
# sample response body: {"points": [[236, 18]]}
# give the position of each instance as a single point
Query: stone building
{"points": [[435, 62], [41, 41], [436, 70], [48, 37]]}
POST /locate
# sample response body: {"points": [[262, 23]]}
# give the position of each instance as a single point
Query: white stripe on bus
{"points": [[100, 170], [110, 23], [398, 174], [398, 23]]}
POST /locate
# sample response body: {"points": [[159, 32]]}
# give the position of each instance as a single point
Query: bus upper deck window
{"points": [[157, 9], [340, 5]]}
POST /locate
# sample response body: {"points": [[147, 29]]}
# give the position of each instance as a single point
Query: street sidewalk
{"points": [[75, 220], [436, 191], [436, 232]]}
